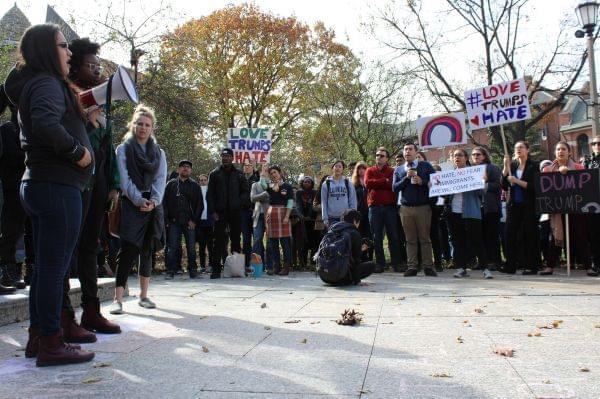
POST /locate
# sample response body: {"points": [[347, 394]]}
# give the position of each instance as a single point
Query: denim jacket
{"points": [[471, 204]]}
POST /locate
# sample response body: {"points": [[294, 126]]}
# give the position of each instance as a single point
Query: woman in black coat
{"points": [[522, 235]]}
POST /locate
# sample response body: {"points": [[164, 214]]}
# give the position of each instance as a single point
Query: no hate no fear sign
{"points": [[498, 104]]}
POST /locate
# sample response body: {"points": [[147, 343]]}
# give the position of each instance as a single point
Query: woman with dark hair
{"points": [[304, 201], [464, 218], [143, 170], [98, 195], [491, 208], [421, 156], [358, 180], [58, 165], [577, 226], [522, 233], [277, 219]]}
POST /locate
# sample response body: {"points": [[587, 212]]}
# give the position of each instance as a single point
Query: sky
{"points": [[346, 17]]}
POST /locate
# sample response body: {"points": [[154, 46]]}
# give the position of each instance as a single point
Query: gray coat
{"points": [[260, 198]]}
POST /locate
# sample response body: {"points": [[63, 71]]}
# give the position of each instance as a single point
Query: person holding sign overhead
{"points": [[522, 242], [563, 163], [463, 212]]}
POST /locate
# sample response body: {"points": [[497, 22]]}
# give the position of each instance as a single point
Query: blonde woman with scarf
{"points": [[563, 163]]}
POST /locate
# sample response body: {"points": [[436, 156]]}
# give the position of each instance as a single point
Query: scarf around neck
{"points": [[142, 166]]}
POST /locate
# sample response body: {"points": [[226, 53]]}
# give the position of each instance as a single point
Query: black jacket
{"points": [[226, 190], [53, 132], [355, 255], [12, 160], [305, 208], [492, 190], [530, 171], [182, 201]]}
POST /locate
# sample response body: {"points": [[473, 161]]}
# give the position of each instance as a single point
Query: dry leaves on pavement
{"points": [[506, 352], [350, 317]]}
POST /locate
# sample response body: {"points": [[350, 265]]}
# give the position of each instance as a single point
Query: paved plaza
{"points": [[277, 338]]}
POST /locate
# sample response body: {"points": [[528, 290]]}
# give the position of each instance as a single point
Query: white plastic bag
{"points": [[235, 266]]}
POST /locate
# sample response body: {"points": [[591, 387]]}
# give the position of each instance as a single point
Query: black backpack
{"points": [[333, 256]]}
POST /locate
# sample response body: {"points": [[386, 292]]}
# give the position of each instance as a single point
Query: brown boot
{"points": [[276, 269], [72, 332], [33, 343], [53, 351], [285, 270], [92, 319]]}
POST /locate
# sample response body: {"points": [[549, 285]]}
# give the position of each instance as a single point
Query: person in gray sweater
{"points": [[337, 195], [260, 198]]}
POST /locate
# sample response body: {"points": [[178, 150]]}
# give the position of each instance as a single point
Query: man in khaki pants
{"points": [[412, 180]]}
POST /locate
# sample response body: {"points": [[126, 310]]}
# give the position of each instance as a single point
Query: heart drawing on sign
{"points": [[475, 121]]}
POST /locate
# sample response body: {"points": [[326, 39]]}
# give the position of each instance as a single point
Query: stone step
{"points": [[15, 308]]}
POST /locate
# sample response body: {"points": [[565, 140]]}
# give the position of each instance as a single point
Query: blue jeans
{"points": [[55, 213], [174, 254], [380, 217], [286, 245], [258, 246]]}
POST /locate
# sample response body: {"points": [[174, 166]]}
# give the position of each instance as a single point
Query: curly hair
{"points": [[80, 48]]}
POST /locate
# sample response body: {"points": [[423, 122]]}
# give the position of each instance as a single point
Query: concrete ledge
{"points": [[15, 308]]}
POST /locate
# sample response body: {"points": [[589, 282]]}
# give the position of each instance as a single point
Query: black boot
{"points": [[16, 272], [8, 279], [28, 273]]}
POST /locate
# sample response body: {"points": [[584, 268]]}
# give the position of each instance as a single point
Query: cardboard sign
{"points": [[457, 181], [497, 104], [250, 144], [578, 191], [442, 130]]}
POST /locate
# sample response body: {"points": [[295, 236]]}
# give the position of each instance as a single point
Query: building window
{"points": [[583, 145]]}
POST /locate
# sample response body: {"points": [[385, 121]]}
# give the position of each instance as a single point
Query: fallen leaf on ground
{"points": [[204, 349], [389, 322], [398, 298], [101, 365], [441, 375], [460, 340], [267, 328], [16, 355], [547, 382], [304, 341], [291, 321], [315, 322], [534, 334], [419, 314], [425, 294], [264, 305], [517, 319], [596, 325], [457, 301], [91, 380], [556, 323], [350, 317], [584, 370], [506, 352], [478, 310]]}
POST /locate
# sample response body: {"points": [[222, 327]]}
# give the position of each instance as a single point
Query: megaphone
{"points": [[118, 87]]}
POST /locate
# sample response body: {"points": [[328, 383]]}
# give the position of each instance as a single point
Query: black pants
{"points": [[491, 237], [204, 238], [522, 238], [12, 226], [401, 239], [434, 235], [594, 238], [246, 227], [231, 219], [362, 270], [466, 233], [578, 240], [128, 254]]}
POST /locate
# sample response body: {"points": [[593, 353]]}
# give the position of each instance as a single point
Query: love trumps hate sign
{"points": [[497, 104], [578, 191], [457, 181], [250, 144]]}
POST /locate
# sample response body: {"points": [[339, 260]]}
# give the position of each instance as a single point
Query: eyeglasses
{"points": [[476, 154], [93, 67], [380, 155], [64, 45]]}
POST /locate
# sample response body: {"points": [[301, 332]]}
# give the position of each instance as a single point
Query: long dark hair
{"points": [[485, 153], [38, 50]]}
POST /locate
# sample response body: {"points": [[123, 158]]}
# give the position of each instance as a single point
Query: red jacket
{"points": [[379, 186]]}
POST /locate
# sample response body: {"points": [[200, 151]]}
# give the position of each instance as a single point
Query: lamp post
{"points": [[587, 14]]}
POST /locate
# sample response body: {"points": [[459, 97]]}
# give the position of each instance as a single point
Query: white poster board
{"points": [[250, 144], [442, 130], [457, 181]]}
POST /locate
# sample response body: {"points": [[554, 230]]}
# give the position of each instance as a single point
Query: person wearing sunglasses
{"points": [[592, 161]]}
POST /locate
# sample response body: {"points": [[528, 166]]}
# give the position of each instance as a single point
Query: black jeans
{"points": [[522, 238], [361, 270], [594, 238], [491, 237], [466, 232], [233, 220], [55, 213], [12, 226], [578, 239], [246, 226], [128, 254], [204, 237]]}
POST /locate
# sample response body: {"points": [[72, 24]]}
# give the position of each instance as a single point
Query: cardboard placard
{"points": [[577, 191], [250, 144], [457, 181]]}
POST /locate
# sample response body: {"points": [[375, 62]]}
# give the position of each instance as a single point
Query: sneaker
{"points": [[487, 274], [430, 272], [169, 276], [461, 273], [116, 308], [412, 272], [146, 303]]}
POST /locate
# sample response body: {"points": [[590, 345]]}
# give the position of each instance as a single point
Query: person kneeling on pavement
{"points": [[339, 256]]}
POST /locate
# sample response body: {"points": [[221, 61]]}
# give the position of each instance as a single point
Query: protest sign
{"points": [[577, 191], [250, 144], [442, 130], [457, 181], [497, 104]]}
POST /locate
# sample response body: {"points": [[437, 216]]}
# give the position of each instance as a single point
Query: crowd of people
{"points": [[66, 189]]}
